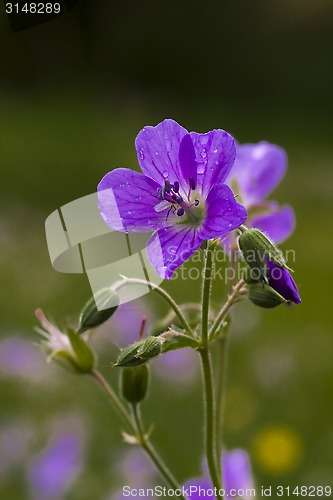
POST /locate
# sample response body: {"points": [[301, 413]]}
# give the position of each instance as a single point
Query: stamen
{"points": [[191, 183], [180, 211], [176, 187], [159, 194], [167, 186], [179, 200]]}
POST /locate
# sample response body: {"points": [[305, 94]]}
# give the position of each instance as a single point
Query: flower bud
{"points": [[257, 249], [98, 309], [134, 383], [265, 296], [140, 352]]}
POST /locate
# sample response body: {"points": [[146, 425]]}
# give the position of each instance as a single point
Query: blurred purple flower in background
{"points": [[20, 358], [54, 470], [181, 194], [258, 169], [237, 476]]}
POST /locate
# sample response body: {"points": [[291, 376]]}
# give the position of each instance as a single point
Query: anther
{"points": [[180, 212], [191, 183], [176, 187], [179, 200], [167, 186]]}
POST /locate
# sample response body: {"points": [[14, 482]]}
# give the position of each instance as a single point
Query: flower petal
{"points": [[158, 152], [126, 200], [281, 280], [277, 225], [215, 155], [170, 247], [258, 170], [223, 213], [237, 473], [187, 160]]}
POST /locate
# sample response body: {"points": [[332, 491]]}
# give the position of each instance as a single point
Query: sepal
{"points": [[134, 383], [265, 296], [98, 309]]}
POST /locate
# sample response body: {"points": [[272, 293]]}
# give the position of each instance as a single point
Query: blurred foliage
{"points": [[74, 94]]}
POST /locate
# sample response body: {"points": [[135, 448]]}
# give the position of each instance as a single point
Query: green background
{"points": [[74, 93]]}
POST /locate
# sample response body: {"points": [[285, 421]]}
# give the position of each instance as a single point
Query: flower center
{"points": [[189, 211]]}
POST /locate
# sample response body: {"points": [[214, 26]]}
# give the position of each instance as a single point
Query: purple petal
{"points": [[223, 213], [281, 280], [170, 247], [196, 488], [258, 170], [187, 160], [277, 225], [126, 200], [237, 474], [215, 155], [158, 152]]}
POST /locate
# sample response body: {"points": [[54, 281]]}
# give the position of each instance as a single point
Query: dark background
{"points": [[74, 92]]}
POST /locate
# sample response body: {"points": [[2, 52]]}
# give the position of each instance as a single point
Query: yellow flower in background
{"points": [[278, 449]]}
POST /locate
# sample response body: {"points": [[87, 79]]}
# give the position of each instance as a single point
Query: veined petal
{"points": [[237, 473], [170, 247], [127, 201], [215, 155], [158, 152], [277, 225], [223, 213], [187, 160], [258, 170]]}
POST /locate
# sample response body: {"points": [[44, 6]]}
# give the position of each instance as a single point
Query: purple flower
{"points": [[237, 477], [257, 171], [54, 470], [180, 195], [281, 280]]}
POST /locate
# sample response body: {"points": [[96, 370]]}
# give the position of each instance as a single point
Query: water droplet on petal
{"points": [[138, 198], [216, 162], [215, 150], [165, 174], [141, 154], [168, 145], [201, 168], [129, 212], [203, 153]]}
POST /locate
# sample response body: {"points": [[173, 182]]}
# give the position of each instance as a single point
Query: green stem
{"points": [[114, 398], [162, 293], [138, 429], [151, 452], [206, 289], [233, 297], [210, 428], [220, 392]]}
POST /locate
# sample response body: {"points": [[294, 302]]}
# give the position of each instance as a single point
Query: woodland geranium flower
{"points": [[258, 169], [180, 195]]}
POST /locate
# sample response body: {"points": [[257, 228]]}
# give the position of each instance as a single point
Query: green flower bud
{"points": [[134, 383], [98, 309], [265, 296], [140, 352], [67, 349], [256, 248]]}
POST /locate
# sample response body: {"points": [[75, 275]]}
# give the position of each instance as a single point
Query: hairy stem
{"points": [[151, 452], [136, 427], [210, 420], [233, 297], [162, 293]]}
